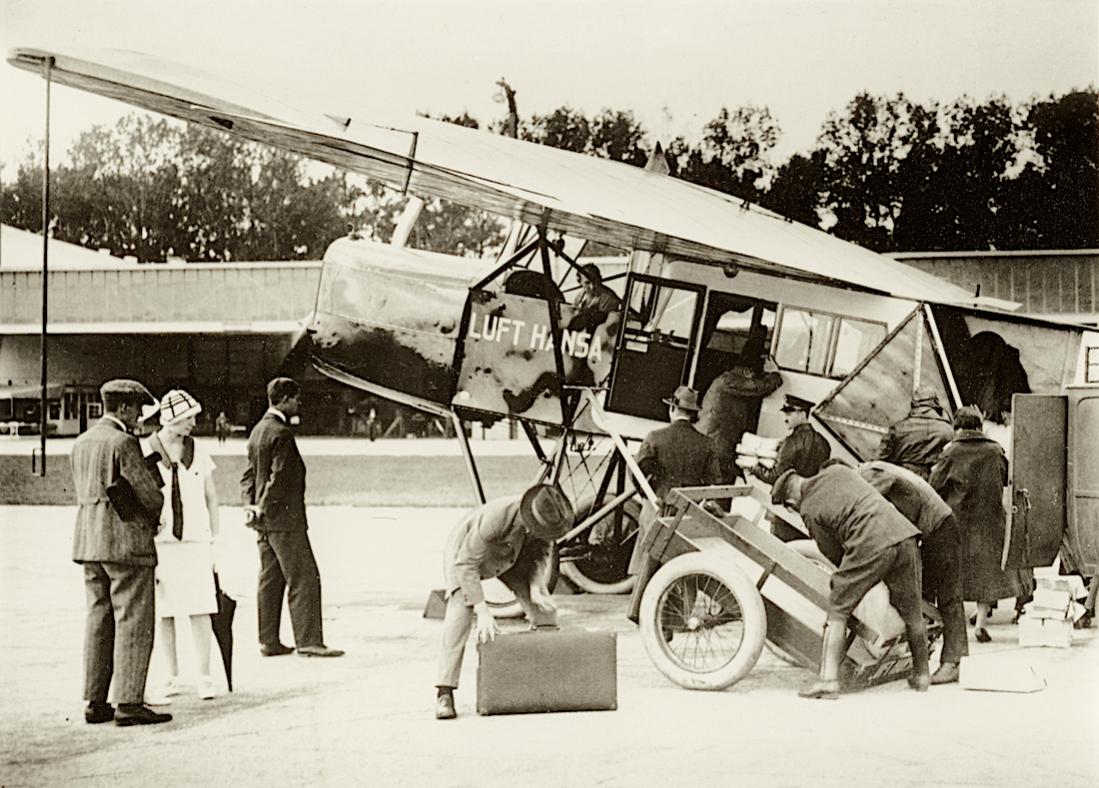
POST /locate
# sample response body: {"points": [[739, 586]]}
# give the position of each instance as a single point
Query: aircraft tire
{"points": [[586, 575], [702, 621]]}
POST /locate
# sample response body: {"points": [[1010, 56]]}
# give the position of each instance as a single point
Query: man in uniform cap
{"points": [[916, 441], [118, 512], [803, 449], [509, 538], [273, 491], [870, 542]]}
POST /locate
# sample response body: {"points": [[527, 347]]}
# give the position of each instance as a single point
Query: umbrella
{"points": [[222, 624]]}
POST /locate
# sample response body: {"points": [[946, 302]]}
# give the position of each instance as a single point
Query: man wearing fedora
{"points": [[803, 449], [677, 455], [508, 538], [870, 542], [118, 511], [273, 491]]}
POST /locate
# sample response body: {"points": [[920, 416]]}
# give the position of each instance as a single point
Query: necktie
{"points": [[177, 504]]}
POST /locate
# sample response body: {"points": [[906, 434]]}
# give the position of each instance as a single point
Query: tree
{"points": [[733, 154], [797, 188]]}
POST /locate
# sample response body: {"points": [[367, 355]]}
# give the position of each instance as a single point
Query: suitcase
{"points": [[554, 670]]}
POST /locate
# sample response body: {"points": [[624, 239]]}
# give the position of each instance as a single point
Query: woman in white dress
{"points": [[185, 560]]}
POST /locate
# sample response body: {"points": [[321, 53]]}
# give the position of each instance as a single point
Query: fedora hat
{"points": [[546, 512], [684, 398]]}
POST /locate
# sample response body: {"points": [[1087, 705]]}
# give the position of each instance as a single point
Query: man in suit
{"points": [[869, 541], [273, 489], [509, 538], [674, 456], [118, 511]]}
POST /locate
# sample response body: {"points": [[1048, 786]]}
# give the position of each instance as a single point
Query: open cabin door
{"points": [[658, 340], [1082, 531], [877, 394], [1039, 476]]}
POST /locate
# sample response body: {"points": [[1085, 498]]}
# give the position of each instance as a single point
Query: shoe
{"points": [[136, 714], [827, 690], [946, 674], [274, 649], [206, 689], [919, 683], [982, 636], [158, 696], [97, 712], [1084, 622], [444, 706], [319, 651]]}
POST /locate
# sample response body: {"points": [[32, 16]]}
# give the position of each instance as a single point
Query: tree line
{"points": [[886, 172]]}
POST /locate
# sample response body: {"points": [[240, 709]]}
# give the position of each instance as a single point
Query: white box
{"points": [[999, 673], [1049, 598], [1045, 632]]}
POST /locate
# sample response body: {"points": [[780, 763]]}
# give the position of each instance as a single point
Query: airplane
{"points": [[469, 340]]}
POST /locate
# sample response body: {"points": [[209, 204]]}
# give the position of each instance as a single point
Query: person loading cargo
{"points": [[509, 538], [870, 542]]}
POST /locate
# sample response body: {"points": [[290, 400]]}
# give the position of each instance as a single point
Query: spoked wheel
{"points": [[702, 622], [597, 558], [503, 603]]}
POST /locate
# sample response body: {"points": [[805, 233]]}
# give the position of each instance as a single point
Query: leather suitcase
{"points": [[554, 670]]}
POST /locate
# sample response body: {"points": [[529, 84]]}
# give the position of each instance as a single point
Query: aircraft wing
{"points": [[579, 195]]}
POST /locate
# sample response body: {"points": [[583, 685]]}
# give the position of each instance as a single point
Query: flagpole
{"points": [[47, 67]]}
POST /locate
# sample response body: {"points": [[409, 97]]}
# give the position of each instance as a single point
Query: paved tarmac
{"points": [[367, 718]]}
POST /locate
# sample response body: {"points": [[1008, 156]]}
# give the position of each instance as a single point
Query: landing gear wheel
{"points": [[503, 603], [600, 568], [702, 621]]}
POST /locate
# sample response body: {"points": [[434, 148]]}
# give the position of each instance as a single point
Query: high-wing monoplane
{"points": [[851, 331]]}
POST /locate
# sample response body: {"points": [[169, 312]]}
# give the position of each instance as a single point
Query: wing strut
{"points": [[568, 407]]}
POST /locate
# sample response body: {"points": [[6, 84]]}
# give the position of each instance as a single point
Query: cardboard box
{"points": [[999, 673], [1051, 599], [1045, 632]]}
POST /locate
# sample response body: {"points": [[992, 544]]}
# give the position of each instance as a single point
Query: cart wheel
{"points": [[809, 549], [714, 616], [602, 556], [503, 603]]}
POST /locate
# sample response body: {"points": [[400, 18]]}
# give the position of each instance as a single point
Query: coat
{"points": [[730, 408], [678, 456], [916, 441], [848, 519], [913, 497], [486, 543], [98, 456], [970, 476], [274, 480]]}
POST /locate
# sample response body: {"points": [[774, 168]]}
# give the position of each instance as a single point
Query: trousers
{"points": [[118, 632], [458, 622], [287, 566], [942, 586]]}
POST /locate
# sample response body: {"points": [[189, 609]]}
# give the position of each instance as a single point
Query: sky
{"points": [[674, 64]]}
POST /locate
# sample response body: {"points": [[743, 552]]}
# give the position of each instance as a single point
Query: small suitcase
{"points": [[557, 670]]}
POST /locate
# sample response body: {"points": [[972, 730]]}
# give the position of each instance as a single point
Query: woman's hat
{"points": [[546, 512], [177, 405], [684, 398]]}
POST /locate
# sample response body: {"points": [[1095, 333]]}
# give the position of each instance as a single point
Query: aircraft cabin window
{"points": [[1091, 370], [804, 339], [856, 338]]}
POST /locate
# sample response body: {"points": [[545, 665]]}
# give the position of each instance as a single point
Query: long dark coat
{"points": [[970, 476], [730, 408]]}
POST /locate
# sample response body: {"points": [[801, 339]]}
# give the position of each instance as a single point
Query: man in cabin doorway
{"points": [[916, 441]]}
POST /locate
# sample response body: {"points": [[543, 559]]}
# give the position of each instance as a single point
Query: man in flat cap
{"points": [[870, 542], [803, 449], [118, 512], [916, 441], [510, 538], [273, 490]]}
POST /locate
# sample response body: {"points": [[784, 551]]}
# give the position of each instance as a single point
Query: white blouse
{"points": [[192, 491]]}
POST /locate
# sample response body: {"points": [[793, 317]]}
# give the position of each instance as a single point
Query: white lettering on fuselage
{"points": [[490, 328]]}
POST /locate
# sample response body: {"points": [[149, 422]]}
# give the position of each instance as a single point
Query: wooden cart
{"points": [[729, 584]]}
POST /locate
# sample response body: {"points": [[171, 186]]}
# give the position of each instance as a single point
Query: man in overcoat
{"points": [[273, 491], [118, 511], [940, 553], [870, 542], [916, 441], [509, 538]]}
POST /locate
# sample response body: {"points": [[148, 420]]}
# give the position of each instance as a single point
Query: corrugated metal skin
{"points": [[164, 294], [1045, 283]]}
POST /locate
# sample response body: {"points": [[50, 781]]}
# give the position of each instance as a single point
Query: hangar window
{"points": [[1091, 371], [818, 343]]}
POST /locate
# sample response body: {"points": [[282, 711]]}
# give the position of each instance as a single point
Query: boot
{"points": [[444, 704], [920, 678], [831, 656]]}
